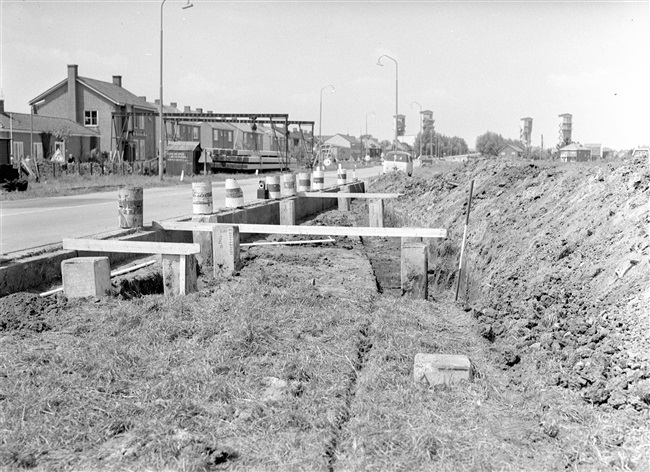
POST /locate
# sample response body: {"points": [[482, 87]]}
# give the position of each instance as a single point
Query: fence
{"points": [[53, 170]]}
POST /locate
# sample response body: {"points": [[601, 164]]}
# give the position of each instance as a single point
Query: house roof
{"points": [[111, 92], [183, 146], [22, 122], [574, 147], [219, 125], [513, 146], [244, 127]]}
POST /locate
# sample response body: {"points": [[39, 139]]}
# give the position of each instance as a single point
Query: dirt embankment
{"points": [[558, 266]]}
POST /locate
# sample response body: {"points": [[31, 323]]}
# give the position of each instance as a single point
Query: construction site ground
{"points": [[304, 359]]}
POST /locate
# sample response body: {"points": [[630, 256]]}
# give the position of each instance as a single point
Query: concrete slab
{"points": [[441, 369]]}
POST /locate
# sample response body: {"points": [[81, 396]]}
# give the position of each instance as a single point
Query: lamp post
{"points": [[396, 90], [416, 103], [367, 115], [162, 122], [320, 124]]}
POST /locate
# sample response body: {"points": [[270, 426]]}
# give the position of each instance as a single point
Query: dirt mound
{"points": [[558, 261], [27, 312]]}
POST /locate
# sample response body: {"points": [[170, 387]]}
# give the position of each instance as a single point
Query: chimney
{"points": [[209, 112], [199, 110], [117, 80], [143, 98], [73, 73], [187, 109], [157, 101], [173, 104]]}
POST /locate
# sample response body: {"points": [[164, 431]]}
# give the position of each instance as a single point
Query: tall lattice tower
{"points": [[526, 131], [565, 129]]}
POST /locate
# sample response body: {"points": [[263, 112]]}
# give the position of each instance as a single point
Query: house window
{"points": [[142, 149], [37, 152], [215, 135], [59, 147], [90, 117], [229, 136], [19, 151], [195, 133]]}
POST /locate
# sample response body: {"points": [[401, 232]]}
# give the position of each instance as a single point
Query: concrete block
{"points": [[344, 203], [225, 244], [376, 213], [288, 211], [204, 239], [179, 274], [439, 369], [415, 264], [86, 276]]}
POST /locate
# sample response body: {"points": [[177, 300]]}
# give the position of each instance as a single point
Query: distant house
{"points": [[124, 121], [511, 150], [341, 146], [48, 134], [642, 151], [273, 138], [246, 137], [371, 147], [217, 135], [575, 152]]}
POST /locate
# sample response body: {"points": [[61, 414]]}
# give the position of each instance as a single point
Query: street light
{"points": [[367, 115], [320, 123], [162, 123], [396, 91], [416, 103]]}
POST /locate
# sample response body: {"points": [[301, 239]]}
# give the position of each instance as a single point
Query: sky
{"points": [[478, 65]]}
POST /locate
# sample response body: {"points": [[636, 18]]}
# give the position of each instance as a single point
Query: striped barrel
{"points": [[288, 185], [342, 176], [201, 198], [273, 186], [234, 194], [319, 180], [129, 203], [304, 182]]}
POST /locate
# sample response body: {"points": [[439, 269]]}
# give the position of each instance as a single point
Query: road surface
{"points": [[34, 223]]}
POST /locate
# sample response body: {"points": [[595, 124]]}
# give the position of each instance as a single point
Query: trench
{"points": [[364, 346]]}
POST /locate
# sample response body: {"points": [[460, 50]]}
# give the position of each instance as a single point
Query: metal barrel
{"points": [[288, 185], [201, 198], [304, 182], [319, 180], [129, 210], [234, 194], [273, 186]]}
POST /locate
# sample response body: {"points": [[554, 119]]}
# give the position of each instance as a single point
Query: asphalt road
{"points": [[31, 224]]}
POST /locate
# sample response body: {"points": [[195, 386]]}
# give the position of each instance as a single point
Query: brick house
{"points": [[48, 134], [124, 121], [575, 152]]}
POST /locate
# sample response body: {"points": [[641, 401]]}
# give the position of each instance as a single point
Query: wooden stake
{"points": [[462, 247]]}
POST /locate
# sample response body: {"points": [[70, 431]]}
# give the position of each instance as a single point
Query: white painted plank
{"points": [[314, 230], [136, 247], [347, 194]]}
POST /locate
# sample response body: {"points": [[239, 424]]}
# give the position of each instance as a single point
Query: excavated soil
{"points": [[557, 258]]}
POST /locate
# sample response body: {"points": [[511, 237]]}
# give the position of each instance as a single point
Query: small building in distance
{"points": [[511, 150], [575, 152], [50, 135]]}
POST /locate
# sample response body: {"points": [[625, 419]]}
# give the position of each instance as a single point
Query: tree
{"points": [[489, 143]]}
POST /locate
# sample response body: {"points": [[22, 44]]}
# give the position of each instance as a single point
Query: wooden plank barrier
{"points": [[178, 259], [226, 245], [348, 194]]}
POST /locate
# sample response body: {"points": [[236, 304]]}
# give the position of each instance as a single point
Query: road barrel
{"points": [[288, 185], [273, 186], [304, 182], [342, 176], [129, 211], [234, 194], [319, 180], [201, 198]]}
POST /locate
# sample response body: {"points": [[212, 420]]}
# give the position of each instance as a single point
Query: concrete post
{"points": [[414, 271], [204, 239], [376, 213], [344, 203], [225, 254], [179, 274], [288, 211]]}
